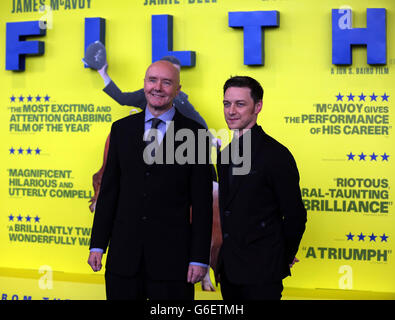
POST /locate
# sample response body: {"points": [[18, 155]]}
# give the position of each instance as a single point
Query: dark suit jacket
{"points": [[262, 214], [137, 99], [143, 211]]}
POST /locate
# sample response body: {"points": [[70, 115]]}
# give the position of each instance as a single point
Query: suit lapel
{"points": [[256, 136], [223, 176], [136, 133]]}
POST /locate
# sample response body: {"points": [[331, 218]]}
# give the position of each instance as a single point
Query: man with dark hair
{"points": [[262, 214]]}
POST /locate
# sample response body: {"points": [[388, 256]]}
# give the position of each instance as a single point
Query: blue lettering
{"points": [[162, 41], [253, 22], [17, 48], [374, 36]]}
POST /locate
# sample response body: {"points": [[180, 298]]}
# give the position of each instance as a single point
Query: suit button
{"points": [[147, 174], [144, 218], [263, 224], [226, 235], [227, 213]]}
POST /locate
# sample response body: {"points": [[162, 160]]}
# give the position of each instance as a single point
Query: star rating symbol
{"points": [[384, 238], [385, 157], [351, 156], [362, 97], [385, 97], [29, 98], [350, 237], [373, 156], [28, 218], [362, 156], [361, 237], [351, 97], [29, 151], [373, 97], [373, 237]]}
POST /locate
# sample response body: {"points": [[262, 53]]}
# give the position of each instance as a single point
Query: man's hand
{"points": [[196, 273], [103, 71], [94, 260]]}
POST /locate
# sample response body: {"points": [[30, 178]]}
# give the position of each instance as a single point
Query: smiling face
{"points": [[161, 86], [239, 108]]}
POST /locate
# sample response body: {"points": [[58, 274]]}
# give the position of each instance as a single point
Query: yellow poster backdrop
{"points": [[336, 120]]}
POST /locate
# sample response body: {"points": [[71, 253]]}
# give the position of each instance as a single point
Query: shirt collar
{"points": [[167, 116]]}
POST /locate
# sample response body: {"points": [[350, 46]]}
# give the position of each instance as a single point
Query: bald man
{"points": [[143, 211]]}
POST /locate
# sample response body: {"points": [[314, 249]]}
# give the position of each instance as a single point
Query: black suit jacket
{"points": [[143, 211], [262, 214]]}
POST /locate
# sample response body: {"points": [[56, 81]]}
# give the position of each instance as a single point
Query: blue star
{"points": [[29, 151], [385, 97], [38, 98], [385, 157], [350, 236], [361, 237], [29, 98], [339, 97], [373, 97], [351, 156], [11, 217], [12, 99], [20, 218], [373, 237], [21, 98], [38, 150], [28, 218], [47, 98], [362, 156], [36, 219], [362, 97], [384, 238], [373, 157], [20, 150], [350, 97], [12, 150]]}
